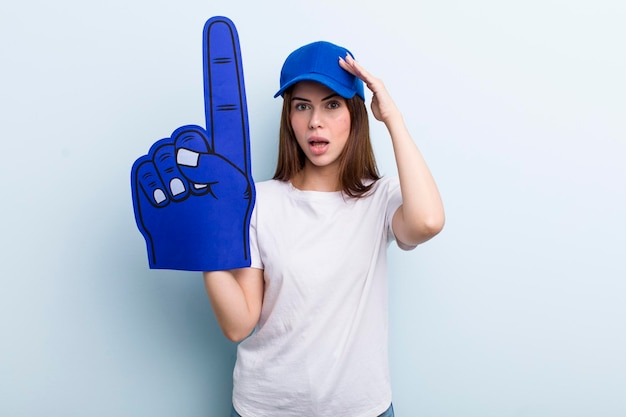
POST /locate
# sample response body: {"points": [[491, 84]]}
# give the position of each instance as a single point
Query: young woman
{"points": [[312, 308]]}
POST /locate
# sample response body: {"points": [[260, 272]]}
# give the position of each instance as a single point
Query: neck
{"points": [[313, 178]]}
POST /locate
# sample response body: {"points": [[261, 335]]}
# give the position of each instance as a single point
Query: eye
{"points": [[300, 106], [335, 104]]}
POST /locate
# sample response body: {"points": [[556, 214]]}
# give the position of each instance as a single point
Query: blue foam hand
{"points": [[193, 192]]}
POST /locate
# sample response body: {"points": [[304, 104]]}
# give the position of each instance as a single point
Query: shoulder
{"points": [[386, 185], [270, 187], [270, 191], [389, 181]]}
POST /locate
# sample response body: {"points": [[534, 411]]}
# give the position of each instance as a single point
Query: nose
{"points": [[315, 121]]}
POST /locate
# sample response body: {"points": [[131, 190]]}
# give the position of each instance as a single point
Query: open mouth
{"points": [[318, 146], [318, 143]]}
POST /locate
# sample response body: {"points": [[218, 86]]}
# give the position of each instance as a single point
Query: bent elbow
{"points": [[236, 335], [434, 225], [233, 337], [424, 230]]}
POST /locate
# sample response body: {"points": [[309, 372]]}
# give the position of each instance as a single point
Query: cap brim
{"points": [[322, 79]]}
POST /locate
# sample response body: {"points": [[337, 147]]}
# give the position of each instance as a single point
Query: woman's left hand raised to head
{"points": [[421, 215], [383, 107]]}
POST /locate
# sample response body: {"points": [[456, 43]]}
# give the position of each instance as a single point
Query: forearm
{"points": [[421, 215], [236, 300]]}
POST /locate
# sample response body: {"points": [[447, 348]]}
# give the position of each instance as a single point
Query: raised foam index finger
{"points": [[224, 93]]}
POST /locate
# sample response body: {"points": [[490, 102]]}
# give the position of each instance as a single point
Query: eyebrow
{"points": [[306, 99]]}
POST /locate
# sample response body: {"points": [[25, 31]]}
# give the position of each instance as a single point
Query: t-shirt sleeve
{"points": [[394, 201], [255, 256]]}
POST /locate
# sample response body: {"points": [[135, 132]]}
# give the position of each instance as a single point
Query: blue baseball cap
{"points": [[319, 61]]}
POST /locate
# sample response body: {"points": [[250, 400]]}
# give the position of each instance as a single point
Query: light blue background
{"points": [[516, 309]]}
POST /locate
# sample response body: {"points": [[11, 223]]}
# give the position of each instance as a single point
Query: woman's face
{"points": [[321, 122]]}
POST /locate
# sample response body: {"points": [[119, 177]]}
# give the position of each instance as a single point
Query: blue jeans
{"points": [[388, 413]]}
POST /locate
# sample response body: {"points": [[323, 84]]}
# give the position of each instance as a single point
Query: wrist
{"points": [[394, 121]]}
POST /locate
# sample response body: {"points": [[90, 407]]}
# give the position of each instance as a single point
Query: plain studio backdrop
{"points": [[515, 309]]}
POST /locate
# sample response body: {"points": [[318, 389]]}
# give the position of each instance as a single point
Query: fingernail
{"points": [[200, 186], [159, 196], [177, 186], [187, 158]]}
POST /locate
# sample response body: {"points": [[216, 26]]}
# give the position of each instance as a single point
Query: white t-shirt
{"points": [[320, 347]]}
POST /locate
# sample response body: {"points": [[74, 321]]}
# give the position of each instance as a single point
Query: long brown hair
{"points": [[357, 165]]}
